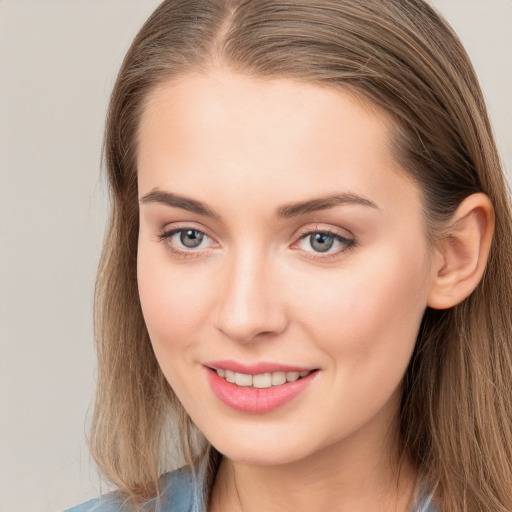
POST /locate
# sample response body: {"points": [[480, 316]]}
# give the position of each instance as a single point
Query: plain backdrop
{"points": [[58, 61]]}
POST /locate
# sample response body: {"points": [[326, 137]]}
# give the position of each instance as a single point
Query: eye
{"points": [[185, 242], [191, 238], [325, 243], [321, 242]]}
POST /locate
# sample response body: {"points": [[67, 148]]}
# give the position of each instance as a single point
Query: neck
{"points": [[360, 473]]}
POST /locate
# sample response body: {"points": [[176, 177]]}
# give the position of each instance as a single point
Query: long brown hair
{"points": [[456, 411]]}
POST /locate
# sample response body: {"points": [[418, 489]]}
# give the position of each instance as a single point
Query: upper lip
{"points": [[255, 368]]}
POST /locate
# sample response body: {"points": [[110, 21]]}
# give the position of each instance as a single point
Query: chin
{"points": [[257, 457], [272, 450]]}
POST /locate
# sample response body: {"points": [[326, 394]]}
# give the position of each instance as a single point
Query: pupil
{"points": [[191, 238], [321, 242]]}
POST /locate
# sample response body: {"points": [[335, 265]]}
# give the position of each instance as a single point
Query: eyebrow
{"points": [[322, 203], [285, 211], [191, 205]]}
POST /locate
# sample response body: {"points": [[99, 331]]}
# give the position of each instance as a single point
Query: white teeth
{"points": [[242, 379], [262, 380], [278, 378]]}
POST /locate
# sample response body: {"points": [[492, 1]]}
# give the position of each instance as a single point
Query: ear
{"points": [[461, 255]]}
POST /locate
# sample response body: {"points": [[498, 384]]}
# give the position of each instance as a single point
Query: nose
{"points": [[250, 306]]}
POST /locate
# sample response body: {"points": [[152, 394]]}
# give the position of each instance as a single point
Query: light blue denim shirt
{"points": [[181, 494]]}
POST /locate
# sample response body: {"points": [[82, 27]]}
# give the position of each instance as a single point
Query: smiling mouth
{"points": [[257, 393], [261, 380]]}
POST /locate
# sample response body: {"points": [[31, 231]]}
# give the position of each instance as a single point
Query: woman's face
{"points": [[278, 237]]}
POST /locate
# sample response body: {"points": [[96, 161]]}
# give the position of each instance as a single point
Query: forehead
{"points": [[221, 131], [247, 106]]}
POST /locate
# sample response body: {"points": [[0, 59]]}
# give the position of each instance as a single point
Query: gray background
{"points": [[58, 60]]}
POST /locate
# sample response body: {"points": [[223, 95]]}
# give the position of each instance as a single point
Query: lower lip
{"points": [[254, 400]]}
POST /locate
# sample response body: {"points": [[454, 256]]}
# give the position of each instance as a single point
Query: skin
{"points": [[256, 289]]}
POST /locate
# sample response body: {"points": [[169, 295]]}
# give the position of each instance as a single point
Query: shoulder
{"points": [[179, 493], [107, 503]]}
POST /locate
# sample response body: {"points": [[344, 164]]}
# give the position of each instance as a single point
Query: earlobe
{"points": [[461, 255]]}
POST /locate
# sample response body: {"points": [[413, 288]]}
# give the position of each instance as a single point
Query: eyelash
{"points": [[166, 235], [347, 243]]}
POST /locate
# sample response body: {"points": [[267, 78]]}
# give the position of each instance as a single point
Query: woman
{"points": [[308, 265]]}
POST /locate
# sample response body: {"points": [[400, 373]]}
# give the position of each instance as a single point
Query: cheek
{"points": [[174, 303], [369, 310]]}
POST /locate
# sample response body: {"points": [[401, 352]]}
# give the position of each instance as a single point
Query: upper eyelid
{"points": [[349, 241], [167, 234], [182, 227], [344, 233], [316, 228], [332, 234], [300, 233]]}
